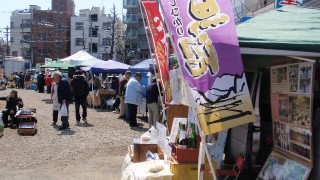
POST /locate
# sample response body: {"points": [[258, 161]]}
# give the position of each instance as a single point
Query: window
{"points": [[41, 53], [134, 45], [93, 32], [79, 25], [26, 23], [79, 41], [26, 53], [12, 24], [93, 18], [58, 27], [93, 48], [106, 26], [59, 44], [106, 41], [105, 56], [41, 19], [42, 36], [27, 37], [15, 53], [11, 40], [141, 24]]}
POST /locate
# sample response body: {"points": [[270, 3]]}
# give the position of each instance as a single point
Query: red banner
{"points": [[160, 43]]}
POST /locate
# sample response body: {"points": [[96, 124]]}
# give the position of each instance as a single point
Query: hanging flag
{"points": [[207, 47], [281, 3], [159, 42]]}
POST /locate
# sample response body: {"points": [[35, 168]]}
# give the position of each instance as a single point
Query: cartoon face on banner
{"points": [[198, 51], [207, 47]]}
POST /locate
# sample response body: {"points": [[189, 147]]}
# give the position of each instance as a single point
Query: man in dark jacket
{"points": [[80, 89], [64, 96], [40, 82], [13, 104]]}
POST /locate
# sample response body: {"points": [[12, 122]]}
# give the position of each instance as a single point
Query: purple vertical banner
{"points": [[207, 47]]}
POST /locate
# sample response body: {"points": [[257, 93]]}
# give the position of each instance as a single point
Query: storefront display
{"points": [[291, 101]]}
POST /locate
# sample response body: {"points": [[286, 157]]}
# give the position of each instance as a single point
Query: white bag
{"points": [[64, 110], [1, 125]]}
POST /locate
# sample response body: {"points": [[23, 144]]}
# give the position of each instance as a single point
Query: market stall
{"points": [[282, 66], [78, 57], [145, 67], [215, 95], [103, 95]]}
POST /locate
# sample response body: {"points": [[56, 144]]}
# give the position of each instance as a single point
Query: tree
{"points": [[122, 51], [114, 33]]}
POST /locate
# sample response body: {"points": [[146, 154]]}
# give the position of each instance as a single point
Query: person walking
{"points": [[48, 83], [16, 80], [152, 103], [22, 77], [80, 89], [133, 99], [27, 80], [64, 96], [55, 103], [122, 93]]}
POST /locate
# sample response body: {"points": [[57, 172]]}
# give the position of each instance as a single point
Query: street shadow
{"points": [[139, 129], [85, 125], [67, 132], [143, 118], [47, 101]]}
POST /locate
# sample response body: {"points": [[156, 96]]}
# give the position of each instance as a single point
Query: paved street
{"points": [[92, 152]]}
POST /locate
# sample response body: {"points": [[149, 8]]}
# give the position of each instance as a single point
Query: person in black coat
{"points": [[80, 90], [64, 96], [14, 103], [40, 82]]}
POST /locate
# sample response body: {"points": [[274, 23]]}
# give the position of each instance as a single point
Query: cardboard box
{"points": [[141, 148]]}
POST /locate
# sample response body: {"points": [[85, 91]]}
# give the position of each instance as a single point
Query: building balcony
{"points": [[127, 4], [131, 18]]}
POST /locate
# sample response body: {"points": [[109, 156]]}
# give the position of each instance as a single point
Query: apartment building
{"points": [[92, 31], [38, 34], [20, 31], [136, 43]]}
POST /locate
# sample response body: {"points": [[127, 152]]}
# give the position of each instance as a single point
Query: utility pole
{"points": [[7, 35]]}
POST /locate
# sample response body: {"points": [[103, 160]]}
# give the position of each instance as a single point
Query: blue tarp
{"points": [[109, 66], [143, 66]]}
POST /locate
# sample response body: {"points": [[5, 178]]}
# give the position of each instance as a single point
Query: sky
{"points": [[12, 5]]}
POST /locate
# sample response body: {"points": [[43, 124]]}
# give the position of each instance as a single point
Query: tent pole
{"points": [[92, 88]]}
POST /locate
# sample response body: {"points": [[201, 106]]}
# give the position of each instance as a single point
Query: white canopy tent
{"points": [[79, 57]]}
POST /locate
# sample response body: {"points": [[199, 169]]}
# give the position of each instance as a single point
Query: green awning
{"points": [[57, 64], [289, 28]]}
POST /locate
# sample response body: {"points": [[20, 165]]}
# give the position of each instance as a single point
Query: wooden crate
{"points": [[141, 148], [27, 128], [175, 111]]}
